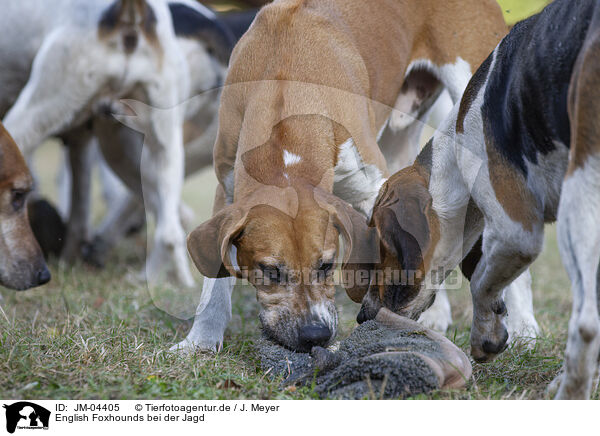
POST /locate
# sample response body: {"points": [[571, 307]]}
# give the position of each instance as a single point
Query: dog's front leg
{"points": [[214, 310], [212, 316], [439, 316], [162, 167], [520, 319], [504, 259]]}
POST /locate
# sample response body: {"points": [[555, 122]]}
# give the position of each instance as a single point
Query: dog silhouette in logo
{"points": [[30, 413]]}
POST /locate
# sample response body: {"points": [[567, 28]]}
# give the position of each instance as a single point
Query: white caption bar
{"points": [[445, 418]]}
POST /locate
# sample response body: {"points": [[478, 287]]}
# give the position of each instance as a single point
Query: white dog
{"points": [[207, 41], [73, 57]]}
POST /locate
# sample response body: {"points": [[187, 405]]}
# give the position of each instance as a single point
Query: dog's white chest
{"points": [[354, 181]]}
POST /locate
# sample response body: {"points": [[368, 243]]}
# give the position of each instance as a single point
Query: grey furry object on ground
{"points": [[390, 357]]}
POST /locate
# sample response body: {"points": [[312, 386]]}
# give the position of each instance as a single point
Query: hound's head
{"points": [[408, 232], [22, 264], [287, 247]]}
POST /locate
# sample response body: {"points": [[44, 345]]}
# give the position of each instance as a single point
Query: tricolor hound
{"points": [[521, 149]]}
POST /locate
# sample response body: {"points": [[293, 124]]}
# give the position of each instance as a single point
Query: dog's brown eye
{"points": [[271, 273], [18, 199]]}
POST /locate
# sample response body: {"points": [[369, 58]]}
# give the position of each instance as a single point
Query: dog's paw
{"points": [[522, 328], [524, 332], [572, 388], [188, 347], [136, 277], [554, 385], [439, 316], [435, 322], [95, 253], [489, 336]]}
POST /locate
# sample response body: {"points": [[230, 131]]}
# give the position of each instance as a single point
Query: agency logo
{"points": [[26, 416]]}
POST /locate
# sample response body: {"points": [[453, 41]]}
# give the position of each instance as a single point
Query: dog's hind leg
{"points": [[80, 163], [578, 229], [125, 213], [64, 185], [162, 170], [112, 187], [579, 241], [162, 176]]}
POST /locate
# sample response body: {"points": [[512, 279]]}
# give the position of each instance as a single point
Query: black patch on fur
{"points": [[405, 247], [425, 157], [471, 92], [150, 20], [239, 22], [470, 262], [189, 23], [525, 105], [110, 17], [48, 227], [130, 42]]}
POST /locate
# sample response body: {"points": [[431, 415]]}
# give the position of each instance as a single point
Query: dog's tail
{"points": [[129, 18]]}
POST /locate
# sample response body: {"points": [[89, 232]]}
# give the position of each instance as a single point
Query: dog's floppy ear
{"points": [[402, 216], [401, 221], [210, 243], [360, 245]]}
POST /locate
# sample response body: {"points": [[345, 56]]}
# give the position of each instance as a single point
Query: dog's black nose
{"points": [[314, 335], [43, 276]]}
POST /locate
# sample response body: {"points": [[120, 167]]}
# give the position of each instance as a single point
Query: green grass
{"points": [[93, 334]]}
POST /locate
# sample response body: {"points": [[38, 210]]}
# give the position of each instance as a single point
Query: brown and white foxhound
{"points": [[22, 264], [322, 99]]}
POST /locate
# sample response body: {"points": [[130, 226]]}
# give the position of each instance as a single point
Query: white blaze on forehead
{"points": [[290, 159]]}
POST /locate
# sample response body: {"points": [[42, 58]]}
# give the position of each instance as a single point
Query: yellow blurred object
{"points": [[517, 10], [514, 10]]}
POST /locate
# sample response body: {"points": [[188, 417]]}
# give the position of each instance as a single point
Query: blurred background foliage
{"points": [[514, 10], [517, 10]]}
